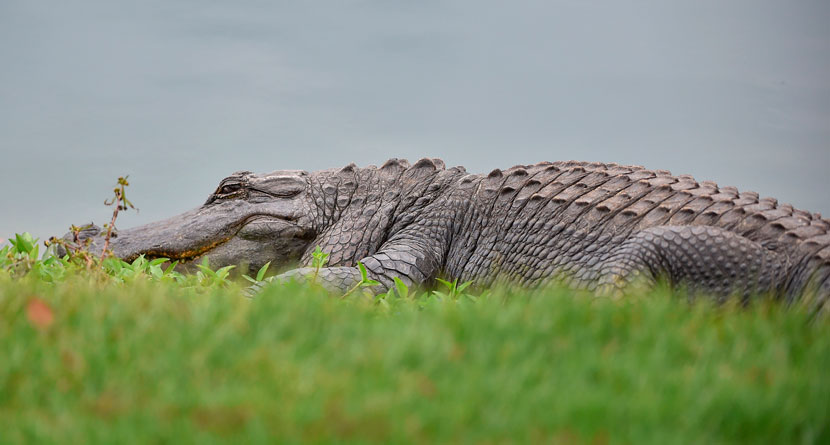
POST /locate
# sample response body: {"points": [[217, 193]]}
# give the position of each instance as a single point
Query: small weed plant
{"points": [[22, 257]]}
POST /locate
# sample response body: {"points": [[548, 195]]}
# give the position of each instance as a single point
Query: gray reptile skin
{"points": [[592, 225]]}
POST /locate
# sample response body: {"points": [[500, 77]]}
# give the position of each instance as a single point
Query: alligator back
{"points": [[530, 220]]}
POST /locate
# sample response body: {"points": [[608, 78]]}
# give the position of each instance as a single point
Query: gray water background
{"points": [[178, 94]]}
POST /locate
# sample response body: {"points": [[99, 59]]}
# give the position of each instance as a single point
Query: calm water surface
{"points": [[179, 94]]}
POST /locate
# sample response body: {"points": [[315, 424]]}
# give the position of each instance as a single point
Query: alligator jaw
{"points": [[276, 224], [186, 256]]}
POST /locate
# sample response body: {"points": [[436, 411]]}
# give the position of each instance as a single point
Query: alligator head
{"points": [[250, 219]]}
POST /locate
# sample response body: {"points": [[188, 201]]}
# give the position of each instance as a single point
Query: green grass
{"points": [[158, 362]]}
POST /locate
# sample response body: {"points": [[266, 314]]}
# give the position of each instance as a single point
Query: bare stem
{"points": [[120, 202], [116, 208]]}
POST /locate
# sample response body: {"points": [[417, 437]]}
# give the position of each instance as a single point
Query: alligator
{"points": [[595, 226]]}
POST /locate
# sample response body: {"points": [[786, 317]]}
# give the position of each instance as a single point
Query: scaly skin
{"points": [[594, 226]]}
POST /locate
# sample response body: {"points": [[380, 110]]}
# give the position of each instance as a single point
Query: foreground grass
{"points": [[157, 363]]}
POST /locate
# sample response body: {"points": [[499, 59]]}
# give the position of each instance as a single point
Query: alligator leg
{"points": [[705, 259], [410, 263]]}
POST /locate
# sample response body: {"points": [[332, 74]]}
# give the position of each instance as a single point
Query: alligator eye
{"points": [[228, 189]]}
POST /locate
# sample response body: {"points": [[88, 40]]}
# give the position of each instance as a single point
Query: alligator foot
{"points": [[337, 280]]}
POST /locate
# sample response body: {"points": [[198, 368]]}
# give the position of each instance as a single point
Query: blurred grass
{"points": [[154, 362]]}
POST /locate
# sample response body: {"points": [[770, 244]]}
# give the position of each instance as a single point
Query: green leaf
{"points": [[464, 286], [158, 261], [171, 267], [139, 263], [445, 283], [205, 269], [113, 266], [261, 274], [363, 274], [400, 286], [223, 272], [320, 258], [22, 242], [155, 271]]}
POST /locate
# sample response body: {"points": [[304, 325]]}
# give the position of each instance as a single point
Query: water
{"points": [[180, 94]]}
